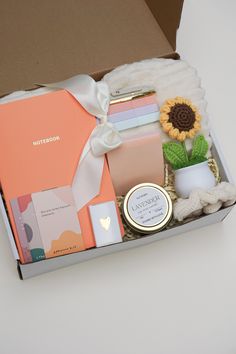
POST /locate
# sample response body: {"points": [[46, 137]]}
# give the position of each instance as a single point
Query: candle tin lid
{"points": [[147, 208]]}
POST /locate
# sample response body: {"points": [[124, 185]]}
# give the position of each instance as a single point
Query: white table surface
{"points": [[175, 296]]}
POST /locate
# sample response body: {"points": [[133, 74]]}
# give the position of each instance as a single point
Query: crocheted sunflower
{"points": [[180, 119]]}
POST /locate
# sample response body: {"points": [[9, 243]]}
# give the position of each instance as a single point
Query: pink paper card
{"points": [[58, 221]]}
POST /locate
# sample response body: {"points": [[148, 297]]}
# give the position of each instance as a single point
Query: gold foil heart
{"points": [[105, 222]]}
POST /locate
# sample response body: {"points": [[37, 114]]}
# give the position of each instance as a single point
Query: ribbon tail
{"points": [[86, 183], [94, 97]]}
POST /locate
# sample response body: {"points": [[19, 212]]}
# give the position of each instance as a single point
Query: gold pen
{"points": [[120, 96]]}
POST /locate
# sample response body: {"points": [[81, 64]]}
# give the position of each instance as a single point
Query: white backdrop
{"points": [[176, 296]]}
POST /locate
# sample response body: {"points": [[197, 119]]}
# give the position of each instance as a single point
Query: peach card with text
{"points": [[58, 221]]}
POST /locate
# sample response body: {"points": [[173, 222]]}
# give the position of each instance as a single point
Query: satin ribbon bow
{"points": [[94, 97]]}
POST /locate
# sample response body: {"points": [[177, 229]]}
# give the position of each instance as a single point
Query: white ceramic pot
{"points": [[192, 177]]}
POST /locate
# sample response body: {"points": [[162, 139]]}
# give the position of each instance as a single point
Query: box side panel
{"points": [[33, 269], [8, 229], [220, 159]]}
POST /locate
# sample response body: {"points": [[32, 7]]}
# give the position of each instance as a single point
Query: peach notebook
{"points": [[27, 166]]}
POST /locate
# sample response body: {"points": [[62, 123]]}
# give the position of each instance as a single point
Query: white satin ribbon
{"points": [[94, 97], [86, 182]]}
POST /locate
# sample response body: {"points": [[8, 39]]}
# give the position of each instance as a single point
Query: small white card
{"points": [[105, 223]]}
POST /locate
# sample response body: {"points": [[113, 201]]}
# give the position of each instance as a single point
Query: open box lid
{"points": [[48, 41]]}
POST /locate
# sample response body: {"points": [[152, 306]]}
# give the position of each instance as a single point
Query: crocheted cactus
{"points": [[176, 154]]}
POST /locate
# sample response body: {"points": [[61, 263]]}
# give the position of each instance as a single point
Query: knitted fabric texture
{"points": [[202, 202], [170, 78]]}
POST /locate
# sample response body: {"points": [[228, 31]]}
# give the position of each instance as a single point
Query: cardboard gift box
{"points": [[51, 41]]}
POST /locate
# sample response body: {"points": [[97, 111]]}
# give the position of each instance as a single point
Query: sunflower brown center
{"points": [[182, 117]]}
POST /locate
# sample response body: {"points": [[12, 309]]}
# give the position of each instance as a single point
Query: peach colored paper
{"points": [[138, 102], [137, 160], [28, 166]]}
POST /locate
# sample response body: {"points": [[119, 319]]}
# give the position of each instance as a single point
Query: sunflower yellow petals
{"points": [[179, 100], [165, 109], [170, 102], [182, 136], [164, 118], [198, 117], [191, 105], [173, 133], [197, 126], [167, 127], [192, 133]]}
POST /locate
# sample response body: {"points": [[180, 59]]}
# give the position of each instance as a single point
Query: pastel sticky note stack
{"points": [[135, 112], [139, 159]]}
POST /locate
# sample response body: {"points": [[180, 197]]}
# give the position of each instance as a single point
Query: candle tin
{"points": [[147, 208]]}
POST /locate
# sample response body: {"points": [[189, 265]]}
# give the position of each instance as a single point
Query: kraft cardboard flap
{"points": [[46, 41], [167, 14]]}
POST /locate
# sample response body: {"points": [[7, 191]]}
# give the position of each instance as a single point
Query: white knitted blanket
{"points": [[170, 78], [199, 201]]}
